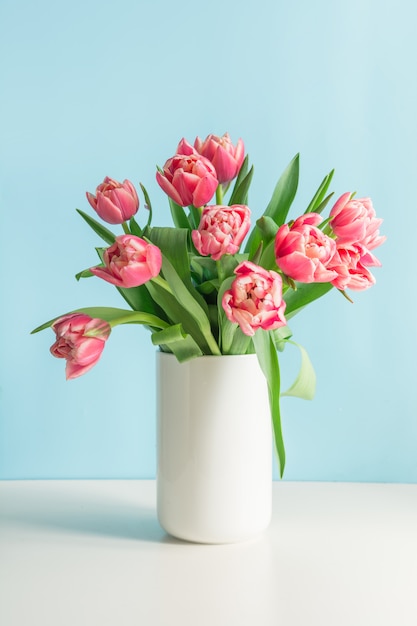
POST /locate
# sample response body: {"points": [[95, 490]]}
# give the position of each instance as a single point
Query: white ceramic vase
{"points": [[214, 477]]}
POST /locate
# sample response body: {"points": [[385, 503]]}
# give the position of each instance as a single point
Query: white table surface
{"points": [[91, 553]]}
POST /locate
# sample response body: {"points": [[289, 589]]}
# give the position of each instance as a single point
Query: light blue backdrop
{"points": [[97, 88]]}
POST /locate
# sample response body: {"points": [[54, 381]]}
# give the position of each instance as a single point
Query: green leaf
{"points": [[226, 265], [138, 299], [193, 302], [241, 189], [268, 228], [148, 204], [204, 267], [179, 216], [134, 227], [241, 175], [178, 342], [84, 274], [242, 172], [281, 336], [173, 243], [304, 294], [268, 360], [268, 260], [280, 203], [112, 315], [304, 386], [209, 286], [240, 343], [98, 228], [181, 307], [194, 217], [323, 204], [320, 193], [257, 256], [138, 317]]}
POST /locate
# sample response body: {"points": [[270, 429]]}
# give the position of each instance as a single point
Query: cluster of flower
{"points": [[309, 249]]}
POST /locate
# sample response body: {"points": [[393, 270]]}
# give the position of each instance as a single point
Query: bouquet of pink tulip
{"points": [[195, 289]]}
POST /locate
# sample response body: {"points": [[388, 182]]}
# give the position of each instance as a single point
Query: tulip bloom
{"points": [[349, 262], [221, 230], [129, 262], [188, 179], [255, 299], [303, 252], [226, 158], [355, 222], [114, 202], [80, 339]]}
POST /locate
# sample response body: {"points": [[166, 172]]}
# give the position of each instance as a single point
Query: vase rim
{"points": [[163, 354]]}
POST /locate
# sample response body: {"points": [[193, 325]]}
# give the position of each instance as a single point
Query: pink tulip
{"points": [[114, 202], [255, 299], [354, 221], [226, 158], [303, 252], [129, 262], [188, 178], [184, 147], [80, 340], [221, 230], [349, 262]]}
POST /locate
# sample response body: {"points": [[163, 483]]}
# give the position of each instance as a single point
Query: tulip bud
{"points": [[80, 339], [114, 202], [188, 179], [226, 158], [129, 262]]}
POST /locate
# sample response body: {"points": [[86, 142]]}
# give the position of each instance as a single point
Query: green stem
{"points": [[158, 280], [126, 228], [220, 272], [141, 318], [219, 194]]}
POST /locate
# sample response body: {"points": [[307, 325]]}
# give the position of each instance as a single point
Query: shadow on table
{"points": [[85, 515]]}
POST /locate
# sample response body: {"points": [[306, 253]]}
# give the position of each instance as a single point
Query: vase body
{"points": [[214, 476]]}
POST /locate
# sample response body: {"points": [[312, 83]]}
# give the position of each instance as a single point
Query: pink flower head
{"points": [[354, 221], [349, 262], [114, 202], [255, 299], [188, 178], [221, 230], [226, 158], [303, 251], [80, 340], [129, 262]]}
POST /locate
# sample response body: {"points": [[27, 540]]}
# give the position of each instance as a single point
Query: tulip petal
{"points": [[169, 189]]}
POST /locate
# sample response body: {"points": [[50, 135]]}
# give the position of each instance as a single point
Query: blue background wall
{"points": [[97, 88]]}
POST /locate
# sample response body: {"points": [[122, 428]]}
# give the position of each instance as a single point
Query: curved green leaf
{"points": [[268, 360], [178, 342], [179, 216], [280, 203], [148, 205], [304, 386], [98, 228], [112, 315], [241, 189], [304, 293], [320, 193], [84, 274], [182, 307]]}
